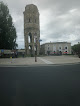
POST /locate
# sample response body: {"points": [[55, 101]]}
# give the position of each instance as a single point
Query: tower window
{"points": [[29, 19]]}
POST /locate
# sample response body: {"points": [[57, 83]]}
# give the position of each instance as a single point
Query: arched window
{"points": [[30, 38]]}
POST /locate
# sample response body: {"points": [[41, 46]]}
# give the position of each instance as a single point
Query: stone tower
{"points": [[31, 30]]}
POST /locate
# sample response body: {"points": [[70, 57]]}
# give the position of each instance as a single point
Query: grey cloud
{"points": [[58, 20]]}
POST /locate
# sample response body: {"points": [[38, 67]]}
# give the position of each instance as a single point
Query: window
{"points": [[48, 48], [29, 19], [65, 47], [60, 52], [59, 47], [65, 52]]}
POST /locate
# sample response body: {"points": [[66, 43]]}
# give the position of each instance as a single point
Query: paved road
{"points": [[58, 85]]}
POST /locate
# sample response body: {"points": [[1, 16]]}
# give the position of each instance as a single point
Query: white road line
{"points": [[46, 61]]}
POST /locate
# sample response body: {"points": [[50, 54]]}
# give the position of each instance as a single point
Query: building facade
{"points": [[56, 48], [31, 30]]}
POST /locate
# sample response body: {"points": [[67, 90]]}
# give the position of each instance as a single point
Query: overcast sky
{"points": [[59, 19]]}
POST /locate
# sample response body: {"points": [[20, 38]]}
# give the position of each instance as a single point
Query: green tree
{"points": [[76, 49], [7, 30]]}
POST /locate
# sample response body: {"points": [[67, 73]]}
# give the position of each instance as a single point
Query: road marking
{"points": [[46, 61]]}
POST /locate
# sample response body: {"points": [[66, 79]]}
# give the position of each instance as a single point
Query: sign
{"points": [[40, 40], [2, 51]]}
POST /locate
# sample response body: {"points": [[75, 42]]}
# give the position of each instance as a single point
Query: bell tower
{"points": [[31, 29]]}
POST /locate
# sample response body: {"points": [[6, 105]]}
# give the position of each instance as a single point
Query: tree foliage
{"points": [[7, 30], [76, 48]]}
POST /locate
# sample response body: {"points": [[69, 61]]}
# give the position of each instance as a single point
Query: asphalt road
{"points": [[42, 85]]}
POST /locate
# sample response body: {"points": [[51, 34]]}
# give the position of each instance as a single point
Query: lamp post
{"points": [[36, 51], [35, 48]]}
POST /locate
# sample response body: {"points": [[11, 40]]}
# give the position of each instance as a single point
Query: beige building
{"points": [[31, 29], [56, 48]]}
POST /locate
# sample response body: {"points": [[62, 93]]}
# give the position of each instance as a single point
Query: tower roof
{"points": [[31, 7]]}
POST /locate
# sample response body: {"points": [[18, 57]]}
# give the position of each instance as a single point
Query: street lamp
{"points": [[35, 48]]}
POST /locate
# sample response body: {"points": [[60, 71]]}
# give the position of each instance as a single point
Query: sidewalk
{"points": [[62, 59], [40, 60], [20, 61]]}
